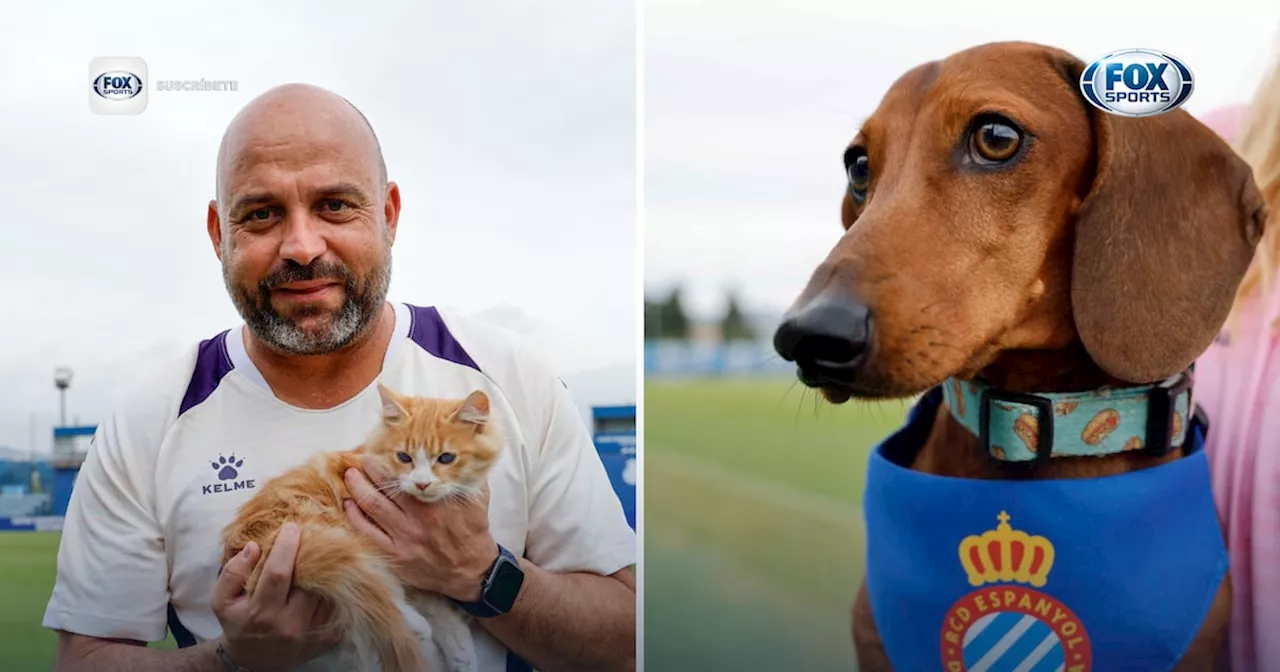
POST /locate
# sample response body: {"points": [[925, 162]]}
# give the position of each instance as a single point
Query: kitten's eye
{"points": [[445, 458], [404, 457]]}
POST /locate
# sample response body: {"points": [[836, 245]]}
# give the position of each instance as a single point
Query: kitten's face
{"points": [[436, 448]]}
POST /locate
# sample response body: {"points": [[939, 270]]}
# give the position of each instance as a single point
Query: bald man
{"points": [[303, 223]]}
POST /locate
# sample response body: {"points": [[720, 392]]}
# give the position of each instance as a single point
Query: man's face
{"points": [[304, 238]]}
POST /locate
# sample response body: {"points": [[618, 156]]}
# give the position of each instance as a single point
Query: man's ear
{"points": [[391, 210], [214, 225], [1162, 240]]}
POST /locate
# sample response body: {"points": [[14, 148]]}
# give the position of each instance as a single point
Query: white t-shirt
{"points": [[165, 474]]}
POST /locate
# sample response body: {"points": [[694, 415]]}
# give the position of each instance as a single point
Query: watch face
{"points": [[507, 579]]}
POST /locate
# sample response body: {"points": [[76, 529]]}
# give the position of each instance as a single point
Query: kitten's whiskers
{"points": [[388, 489]]}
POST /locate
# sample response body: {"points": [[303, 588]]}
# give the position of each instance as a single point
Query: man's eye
{"points": [[261, 214], [334, 205]]}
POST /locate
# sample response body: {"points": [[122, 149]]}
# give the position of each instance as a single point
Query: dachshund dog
{"points": [[1000, 230]]}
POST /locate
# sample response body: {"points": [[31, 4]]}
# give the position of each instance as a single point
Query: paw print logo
{"points": [[227, 468]]}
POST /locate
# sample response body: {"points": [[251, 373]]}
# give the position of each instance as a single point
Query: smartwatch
{"points": [[500, 587]]}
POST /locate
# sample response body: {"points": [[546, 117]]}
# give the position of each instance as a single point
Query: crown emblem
{"points": [[1006, 554]]}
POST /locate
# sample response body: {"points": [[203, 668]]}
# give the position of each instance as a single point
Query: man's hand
{"points": [[278, 627], [443, 547]]}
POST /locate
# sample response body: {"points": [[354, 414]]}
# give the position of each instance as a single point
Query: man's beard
{"points": [[362, 303]]}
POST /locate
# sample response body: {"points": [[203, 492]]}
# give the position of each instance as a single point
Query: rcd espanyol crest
{"points": [[1005, 623], [1137, 83]]}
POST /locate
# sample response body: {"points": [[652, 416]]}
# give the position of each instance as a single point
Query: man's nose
{"points": [[304, 240], [827, 336]]}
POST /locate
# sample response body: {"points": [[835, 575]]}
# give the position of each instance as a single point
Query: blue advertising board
{"points": [[739, 358], [31, 524], [614, 430]]}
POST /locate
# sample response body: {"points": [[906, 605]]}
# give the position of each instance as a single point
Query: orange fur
{"points": [[337, 563]]}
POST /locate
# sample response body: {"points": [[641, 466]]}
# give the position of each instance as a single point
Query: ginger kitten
{"points": [[438, 448]]}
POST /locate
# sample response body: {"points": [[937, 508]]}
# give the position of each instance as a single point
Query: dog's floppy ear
{"points": [[1162, 240]]}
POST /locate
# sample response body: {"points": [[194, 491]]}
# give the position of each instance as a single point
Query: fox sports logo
{"points": [[1137, 83], [117, 85]]}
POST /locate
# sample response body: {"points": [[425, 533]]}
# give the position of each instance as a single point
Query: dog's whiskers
{"points": [[790, 387], [800, 404], [767, 359]]}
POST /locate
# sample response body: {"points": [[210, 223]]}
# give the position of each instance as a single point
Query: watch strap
{"points": [[478, 609], [228, 664], [482, 608]]}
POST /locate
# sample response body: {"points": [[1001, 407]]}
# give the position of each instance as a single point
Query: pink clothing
{"points": [[1224, 120], [1238, 384]]}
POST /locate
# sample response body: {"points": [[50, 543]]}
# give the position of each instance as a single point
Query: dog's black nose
{"points": [[827, 337]]}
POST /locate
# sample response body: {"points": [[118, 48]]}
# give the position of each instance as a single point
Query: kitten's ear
{"points": [[474, 410], [392, 410]]}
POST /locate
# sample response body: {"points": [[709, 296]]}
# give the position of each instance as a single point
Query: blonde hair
{"points": [[1258, 143]]}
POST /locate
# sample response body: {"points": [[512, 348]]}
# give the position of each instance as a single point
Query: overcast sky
{"points": [[509, 126], [749, 106]]}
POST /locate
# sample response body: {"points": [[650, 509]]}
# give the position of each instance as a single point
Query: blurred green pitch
{"points": [[753, 524], [28, 567]]}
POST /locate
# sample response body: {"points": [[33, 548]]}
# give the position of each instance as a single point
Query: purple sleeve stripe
{"points": [[429, 331], [212, 363]]}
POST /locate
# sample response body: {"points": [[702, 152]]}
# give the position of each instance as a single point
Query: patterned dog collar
{"points": [[1017, 427]]}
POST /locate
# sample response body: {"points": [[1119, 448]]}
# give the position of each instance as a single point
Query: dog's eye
{"points": [[994, 142], [445, 458], [404, 457], [858, 168]]}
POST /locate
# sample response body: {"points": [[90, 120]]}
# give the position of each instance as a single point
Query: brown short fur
{"points": [[1108, 254]]}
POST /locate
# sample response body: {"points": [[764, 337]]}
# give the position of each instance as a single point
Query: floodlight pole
{"points": [[62, 379]]}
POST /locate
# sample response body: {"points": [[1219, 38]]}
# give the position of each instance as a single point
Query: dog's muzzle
{"points": [[827, 338]]}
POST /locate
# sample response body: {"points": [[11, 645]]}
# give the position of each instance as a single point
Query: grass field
{"points": [[28, 566], [27, 570], [753, 525]]}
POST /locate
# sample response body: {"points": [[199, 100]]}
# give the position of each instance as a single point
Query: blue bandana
{"points": [[1111, 573]]}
